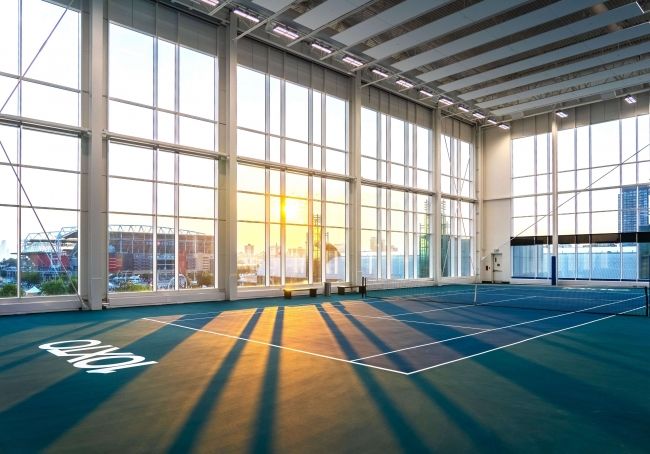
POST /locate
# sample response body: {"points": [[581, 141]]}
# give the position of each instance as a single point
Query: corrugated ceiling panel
{"points": [[520, 23], [604, 59], [442, 26], [616, 15], [386, 20], [551, 100], [273, 5], [550, 57], [590, 78], [327, 12]]}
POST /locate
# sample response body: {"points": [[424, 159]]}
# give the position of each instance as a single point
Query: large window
{"points": [[292, 225], [457, 208], [159, 90], [603, 200], [39, 221], [54, 73], [162, 219], [395, 223], [531, 214], [602, 208], [39, 246]]}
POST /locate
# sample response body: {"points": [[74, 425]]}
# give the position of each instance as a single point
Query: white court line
{"points": [[494, 329], [275, 346], [457, 306], [515, 343]]}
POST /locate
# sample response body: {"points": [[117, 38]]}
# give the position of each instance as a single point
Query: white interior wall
{"points": [[495, 222]]}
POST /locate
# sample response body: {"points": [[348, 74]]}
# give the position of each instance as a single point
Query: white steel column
{"points": [[227, 242], [554, 198], [437, 199], [478, 213], [354, 207], [94, 217]]}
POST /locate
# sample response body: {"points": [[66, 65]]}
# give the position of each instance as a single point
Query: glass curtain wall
{"points": [[161, 200], [396, 228], [457, 207], [292, 220], [39, 247], [603, 200], [531, 215]]}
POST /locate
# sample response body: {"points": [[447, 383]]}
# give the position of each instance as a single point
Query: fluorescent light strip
{"points": [[445, 101], [211, 2], [478, 115], [561, 114], [504, 126], [245, 15], [630, 99], [404, 83], [285, 32], [428, 94], [351, 61], [321, 48], [491, 121], [380, 73], [462, 108]]}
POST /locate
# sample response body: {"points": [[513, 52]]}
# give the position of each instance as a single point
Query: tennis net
{"points": [[595, 300]]}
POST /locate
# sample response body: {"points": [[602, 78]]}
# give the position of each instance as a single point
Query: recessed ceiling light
{"points": [[561, 114], [404, 83], [445, 101], [322, 48], [352, 61], [380, 73], [280, 30], [246, 15], [504, 126], [630, 99]]}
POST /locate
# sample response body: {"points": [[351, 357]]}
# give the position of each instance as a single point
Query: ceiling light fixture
{"points": [[491, 121], [462, 108], [280, 30], [428, 94], [445, 101], [630, 99], [404, 83], [478, 115], [211, 2], [561, 114], [380, 73], [352, 61], [322, 48], [504, 126], [246, 15]]}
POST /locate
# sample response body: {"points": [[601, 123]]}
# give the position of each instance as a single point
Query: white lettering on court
{"points": [[92, 354]]}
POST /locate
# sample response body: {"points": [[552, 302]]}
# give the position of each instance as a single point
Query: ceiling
{"points": [[504, 59]]}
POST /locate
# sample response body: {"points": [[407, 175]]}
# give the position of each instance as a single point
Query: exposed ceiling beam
{"points": [[566, 84], [534, 42], [552, 100], [326, 12], [442, 26], [507, 28], [590, 45], [602, 59]]}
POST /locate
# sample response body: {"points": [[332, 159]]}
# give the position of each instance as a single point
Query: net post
{"points": [[554, 270]]}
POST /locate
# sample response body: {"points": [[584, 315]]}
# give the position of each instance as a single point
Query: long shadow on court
{"points": [[33, 346], [481, 437], [195, 422], [70, 400], [408, 439], [266, 422]]}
